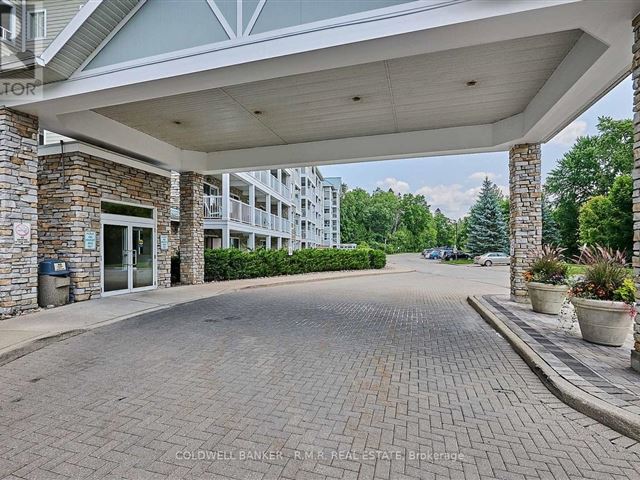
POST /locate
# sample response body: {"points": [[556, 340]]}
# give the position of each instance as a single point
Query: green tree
{"points": [[354, 205], [608, 219], [487, 229], [550, 231], [445, 229], [589, 169]]}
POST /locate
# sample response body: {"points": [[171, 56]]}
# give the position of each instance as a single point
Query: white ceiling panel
{"points": [[405, 94]]}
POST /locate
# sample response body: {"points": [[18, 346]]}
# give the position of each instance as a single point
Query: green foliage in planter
{"points": [[233, 264], [548, 267], [606, 276]]}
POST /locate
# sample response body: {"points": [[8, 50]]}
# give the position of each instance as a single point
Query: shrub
{"points": [[233, 264], [548, 267], [606, 276]]}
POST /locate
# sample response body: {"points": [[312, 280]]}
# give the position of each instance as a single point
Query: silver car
{"points": [[492, 258]]}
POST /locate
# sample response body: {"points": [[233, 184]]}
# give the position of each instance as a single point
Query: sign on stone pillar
{"points": [[525, 217], [18, 212]]}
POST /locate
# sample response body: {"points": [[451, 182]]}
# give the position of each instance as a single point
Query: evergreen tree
{"points": [[487, 228], [550, 231]]}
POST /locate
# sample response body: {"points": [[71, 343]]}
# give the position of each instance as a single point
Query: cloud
{"points": [[453, 200], [480, 176], [570, 133], [398, 186]]}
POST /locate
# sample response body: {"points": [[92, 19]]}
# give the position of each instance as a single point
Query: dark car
{"points": [[460, 256]]}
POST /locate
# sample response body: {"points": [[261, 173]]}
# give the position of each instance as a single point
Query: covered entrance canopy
{"points": [[209, 86], [220, 85]]}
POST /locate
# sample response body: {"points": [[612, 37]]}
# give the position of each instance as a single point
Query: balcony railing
{"points": [[261, 218], [266, 178], [212, 206], [6, 34], [239, 211]]}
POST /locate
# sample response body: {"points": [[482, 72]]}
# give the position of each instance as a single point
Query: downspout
{"points": [[64, 182]]}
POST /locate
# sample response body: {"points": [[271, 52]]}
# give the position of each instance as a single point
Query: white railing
{"points": [[239, 211], [266, 178], [275, 222], [261, 218], [6, 34], [212, 206], [286, 225]]}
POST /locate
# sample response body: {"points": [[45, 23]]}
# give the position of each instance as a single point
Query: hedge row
{"points": [[233, 264]]}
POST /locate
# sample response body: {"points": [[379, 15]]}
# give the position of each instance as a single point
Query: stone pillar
{"points": [[19, 210], [191, 228], [251, 242], [525, 223], [635, 74], [226, 237]]}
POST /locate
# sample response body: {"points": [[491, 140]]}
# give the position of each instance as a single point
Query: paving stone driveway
{"points": [[392, 377]]}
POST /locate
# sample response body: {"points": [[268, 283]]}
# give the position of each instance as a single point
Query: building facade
{"points": [[271, 209]]}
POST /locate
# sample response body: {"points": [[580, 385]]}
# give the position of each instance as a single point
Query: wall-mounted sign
{"points": [[90, 240], [164, 242], [22, 233]]}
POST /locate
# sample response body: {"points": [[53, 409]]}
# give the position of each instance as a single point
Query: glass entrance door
{"points": [[142, 264], [115, 266], [128, 257]]}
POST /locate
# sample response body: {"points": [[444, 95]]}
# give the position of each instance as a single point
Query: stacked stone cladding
{"points": [[71, 205], [525, 221], [191, 228], [18, 204]]}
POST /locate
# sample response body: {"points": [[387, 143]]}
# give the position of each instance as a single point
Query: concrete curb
{"points": [[613, 417], [33, 344], [9, 354]]}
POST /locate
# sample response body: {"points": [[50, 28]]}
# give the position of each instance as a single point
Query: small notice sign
{"points": [[90, 240], [22, 233], [164, 242]]}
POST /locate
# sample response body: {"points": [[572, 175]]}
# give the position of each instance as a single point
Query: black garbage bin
{"points": [[53, 283]]}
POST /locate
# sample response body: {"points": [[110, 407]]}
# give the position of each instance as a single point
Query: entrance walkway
{"points": [[23, 334], [390, 377], [597, 380]]}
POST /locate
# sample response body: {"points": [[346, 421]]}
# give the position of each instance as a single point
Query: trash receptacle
{"points": [[53, 283]]}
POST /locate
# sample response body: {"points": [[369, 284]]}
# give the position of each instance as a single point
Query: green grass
{"points": [[460, 261], [575, 269]]}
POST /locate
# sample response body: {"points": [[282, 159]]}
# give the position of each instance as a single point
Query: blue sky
{"points": [[451, 183]]}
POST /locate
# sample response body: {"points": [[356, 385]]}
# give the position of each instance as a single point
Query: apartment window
{"points": [[210, 189], [37, 25], [7, 20]]}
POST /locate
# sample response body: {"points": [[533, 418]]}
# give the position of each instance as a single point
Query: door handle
{"points": [[134, 255]]}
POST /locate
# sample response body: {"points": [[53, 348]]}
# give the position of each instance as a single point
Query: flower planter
{"points": [[547, 298], [603, 322]]}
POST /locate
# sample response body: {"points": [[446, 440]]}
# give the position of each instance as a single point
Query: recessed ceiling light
{"points": [[177, 122], [472, 83], [257, 112], [356, 98]]}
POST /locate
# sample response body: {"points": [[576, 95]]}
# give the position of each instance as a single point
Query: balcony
{"points": [[242, 212], [212, 206], [267, 179]]}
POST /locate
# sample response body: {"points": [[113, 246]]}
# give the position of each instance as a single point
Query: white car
{"points": [[492, 258]]}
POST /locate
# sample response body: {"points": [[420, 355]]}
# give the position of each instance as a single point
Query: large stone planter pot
{"points": [[602, 321], [546, 298]]}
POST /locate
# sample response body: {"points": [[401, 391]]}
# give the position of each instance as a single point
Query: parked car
{"points": [[492, 258], [460, 255]]}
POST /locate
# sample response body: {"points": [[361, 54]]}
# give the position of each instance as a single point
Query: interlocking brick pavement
{"points": [[391, 377]]}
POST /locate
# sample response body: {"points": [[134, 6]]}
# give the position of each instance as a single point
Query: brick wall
{"points": [[68, 209], [525, 222], [18, 204]]}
